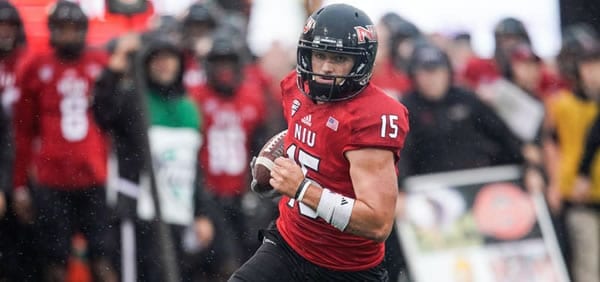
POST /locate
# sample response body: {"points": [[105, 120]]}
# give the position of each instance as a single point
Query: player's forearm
{"points": [[365, 220], [368, 222]]}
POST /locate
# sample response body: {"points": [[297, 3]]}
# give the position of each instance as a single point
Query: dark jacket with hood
{"points": [[456, 132]]}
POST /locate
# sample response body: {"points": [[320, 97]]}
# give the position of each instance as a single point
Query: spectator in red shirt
{"points": [[507, 33]]}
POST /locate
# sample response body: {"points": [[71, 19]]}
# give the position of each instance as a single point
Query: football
{"points": [[264, 162]]}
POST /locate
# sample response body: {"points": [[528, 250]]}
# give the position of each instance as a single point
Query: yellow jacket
{"points": [[573, 117]]}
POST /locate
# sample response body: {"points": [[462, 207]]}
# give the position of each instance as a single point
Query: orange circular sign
{"points": [[504, 211]]}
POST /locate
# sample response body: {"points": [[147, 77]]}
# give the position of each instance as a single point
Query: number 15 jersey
{"points": [[318, 137]]}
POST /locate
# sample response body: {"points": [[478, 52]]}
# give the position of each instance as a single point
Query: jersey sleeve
{"points": [[385, 127], [288, 85]]}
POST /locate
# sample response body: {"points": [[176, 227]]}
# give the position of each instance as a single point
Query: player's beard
{"points": [[7, 45], [225, 82], [69, 51]]}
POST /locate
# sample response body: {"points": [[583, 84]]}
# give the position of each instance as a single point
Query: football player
{"points": [[69, 161], [12, 51], [233, 111], [339, 181]]}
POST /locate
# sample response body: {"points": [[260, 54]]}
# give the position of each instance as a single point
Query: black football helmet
{"points": [[65, 12], [342, 29], [228, 49]]}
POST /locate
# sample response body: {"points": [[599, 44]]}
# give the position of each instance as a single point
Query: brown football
{"points": [[264, 162]]}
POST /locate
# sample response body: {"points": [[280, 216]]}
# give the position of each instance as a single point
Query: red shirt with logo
{"points": [[54, 127], [318, 137], [228, 126]]}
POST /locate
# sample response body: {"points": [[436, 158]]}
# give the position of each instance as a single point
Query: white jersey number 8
{"points": [[74, 122]]}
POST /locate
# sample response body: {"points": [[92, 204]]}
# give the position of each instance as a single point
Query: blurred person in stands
{"points": [[254, 71], [529, 72], [237, 6], [166, 26], [508, 33], [197, 25], [397, 37], [59, 145], [575, 39], [18, 258], [12, 52], [233, 109], [174, 133], [588, 159], [451, 128], [460, 51], [525, 70], [570, 117]]}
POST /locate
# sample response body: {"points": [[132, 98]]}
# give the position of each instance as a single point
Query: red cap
{"points": [[524, 52]]}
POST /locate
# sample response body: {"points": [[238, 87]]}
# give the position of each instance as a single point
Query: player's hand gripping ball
{"points": [[262, 164]]}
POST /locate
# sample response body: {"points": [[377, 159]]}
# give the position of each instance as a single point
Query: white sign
{"points": [[478, 225]]}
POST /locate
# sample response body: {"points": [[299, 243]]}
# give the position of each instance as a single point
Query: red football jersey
{"points": [[318, 136], [228, 124], [53, 109], [8, 70]]}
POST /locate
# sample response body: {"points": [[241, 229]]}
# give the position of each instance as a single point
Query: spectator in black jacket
{"points": [[451, 128]]}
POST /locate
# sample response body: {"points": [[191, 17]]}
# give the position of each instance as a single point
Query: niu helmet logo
{"points": [[310, 24], [367, 33]]}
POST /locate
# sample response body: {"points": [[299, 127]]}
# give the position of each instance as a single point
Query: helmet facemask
{"points": [[343, 86]]}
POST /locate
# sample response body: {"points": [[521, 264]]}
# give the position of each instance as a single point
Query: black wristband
{"points": [[300, 188]]}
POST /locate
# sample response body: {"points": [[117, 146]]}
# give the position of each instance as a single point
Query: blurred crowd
{"points": [[81, 127]]}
